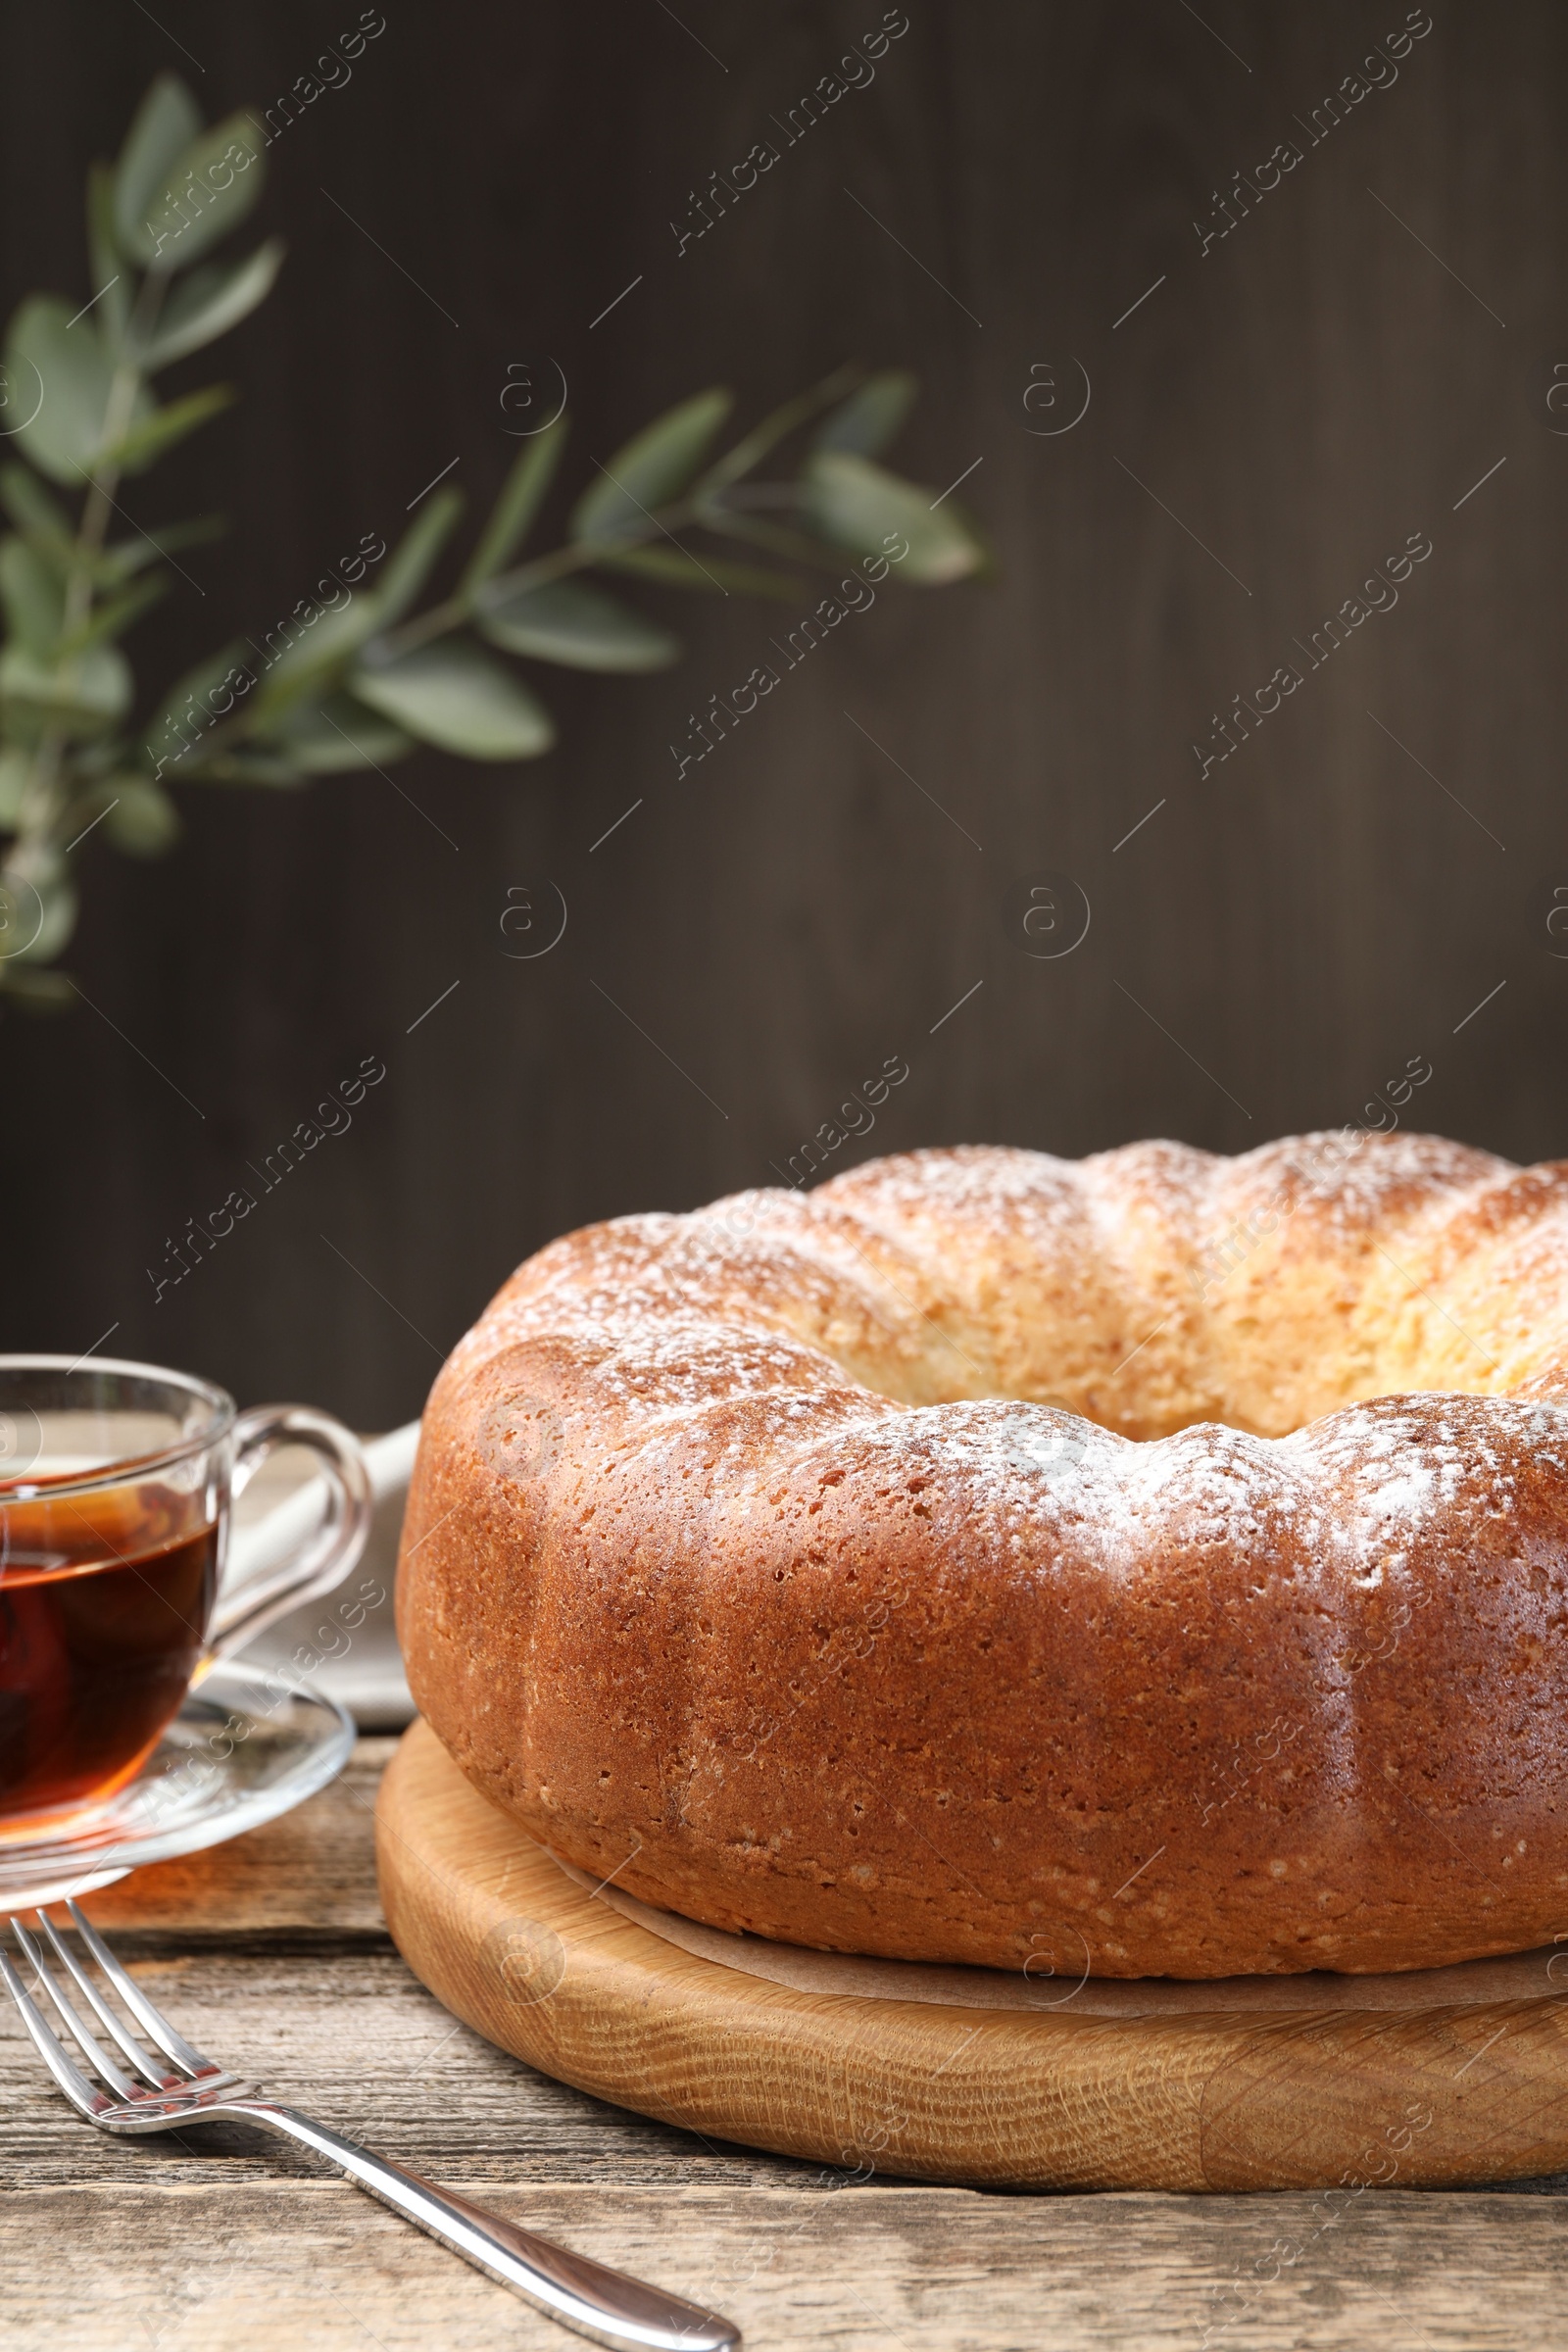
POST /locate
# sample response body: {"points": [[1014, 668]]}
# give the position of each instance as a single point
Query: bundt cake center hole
{"points": [[1264, 1397]]}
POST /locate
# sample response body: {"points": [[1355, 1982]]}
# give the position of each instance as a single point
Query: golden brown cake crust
{"points": [[1155, 1564]]}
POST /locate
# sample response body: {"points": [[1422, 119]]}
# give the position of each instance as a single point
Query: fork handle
{"points": [[602, 2304]]}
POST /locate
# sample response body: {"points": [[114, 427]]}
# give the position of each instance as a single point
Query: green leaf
{"points": [[81, 697], [38, 906], [130, 811], [34, 596], [166, 122], [56, 388], [521, 496], [209, 192], [115, 614], [569, 623], [59, 904], [871, 417], [41, 520], [651, 468], [411, 562], [172, 737], [22, 724], [161, 428], [15, 769], [330, 737], [772, 430], [128, 555], [207, 303], [672, 567], [313, 658], [95, 759], [142, 821], [111, 284], [454, 696], [858, 506]]}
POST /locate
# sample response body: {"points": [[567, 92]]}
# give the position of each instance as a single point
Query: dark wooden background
{"points": [[1262, 952]]}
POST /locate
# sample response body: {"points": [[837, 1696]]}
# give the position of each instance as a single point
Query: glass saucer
{"points": [[243, 1748]]}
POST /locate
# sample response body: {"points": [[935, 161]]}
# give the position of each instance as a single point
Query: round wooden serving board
{"points": [[1451, 2075]]}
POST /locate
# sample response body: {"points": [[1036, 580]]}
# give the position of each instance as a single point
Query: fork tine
{"points": [[100, 2008], [77, 2090], [103, 2065], [153, 2023]]}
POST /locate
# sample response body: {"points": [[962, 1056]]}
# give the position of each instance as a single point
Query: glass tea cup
{"points": [[115, 1482]]}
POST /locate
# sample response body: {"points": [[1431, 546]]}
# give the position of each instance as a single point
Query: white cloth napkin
{"points": [[345, 1643]]}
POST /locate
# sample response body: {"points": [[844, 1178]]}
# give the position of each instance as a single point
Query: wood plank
{"points": [[309, 1874], [1396, 2083], [105, 2267], [356, 2041], [272, 1953]]}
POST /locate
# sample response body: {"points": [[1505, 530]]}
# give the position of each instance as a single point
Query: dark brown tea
{"points": [[104, 1605]]}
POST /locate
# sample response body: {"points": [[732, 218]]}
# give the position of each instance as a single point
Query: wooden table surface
{"points": [[272, 1952]]}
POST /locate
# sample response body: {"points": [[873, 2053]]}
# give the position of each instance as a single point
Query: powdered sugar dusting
{"points": [[831, 1318]]}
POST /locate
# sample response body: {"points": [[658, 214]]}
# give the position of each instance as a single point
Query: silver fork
{"points": [[178, 2086]]}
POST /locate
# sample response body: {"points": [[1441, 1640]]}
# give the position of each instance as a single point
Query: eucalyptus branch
{"points": [[382, 680], [124, 386], [457, 611], [41, 794]]}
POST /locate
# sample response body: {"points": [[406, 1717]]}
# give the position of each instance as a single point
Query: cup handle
{"points": [[331, 1552]]}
